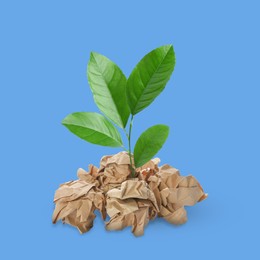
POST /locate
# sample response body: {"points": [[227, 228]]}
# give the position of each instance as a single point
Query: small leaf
{"points": [[93, 128], [149, 143], [108, 85], [149, 77]]}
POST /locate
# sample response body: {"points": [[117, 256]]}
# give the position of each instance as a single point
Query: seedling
{"points": [[119, 99]]}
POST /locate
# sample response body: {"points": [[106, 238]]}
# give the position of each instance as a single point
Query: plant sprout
{"points": [[119, 99]]}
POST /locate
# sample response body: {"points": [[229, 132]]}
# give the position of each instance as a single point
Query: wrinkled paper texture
{"points": [[154, 191]]}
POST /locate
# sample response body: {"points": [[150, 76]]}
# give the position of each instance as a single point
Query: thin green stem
{"points": [[129, 146]]}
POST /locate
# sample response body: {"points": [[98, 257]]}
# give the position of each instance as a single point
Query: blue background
{"points": [[211, 104]]}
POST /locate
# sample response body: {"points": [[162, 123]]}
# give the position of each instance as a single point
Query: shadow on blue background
{"points": [[211, 104]]}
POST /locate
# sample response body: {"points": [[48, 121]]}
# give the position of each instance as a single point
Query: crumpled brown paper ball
{"points": [[154, 191], [132, 204], [76, 202]]}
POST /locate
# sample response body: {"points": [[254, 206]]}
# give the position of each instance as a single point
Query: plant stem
{"points": [[129, 146]]}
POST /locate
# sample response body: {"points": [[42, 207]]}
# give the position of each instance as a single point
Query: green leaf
{"points": [[108, 85], [149, 77], [93, 128], [149, 143]]}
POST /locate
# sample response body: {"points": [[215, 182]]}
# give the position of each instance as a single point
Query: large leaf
{"points": [[94, 128], [149, 77], [108, 85], [149, 143]]}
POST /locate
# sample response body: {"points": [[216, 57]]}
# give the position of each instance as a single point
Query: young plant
{"points": [[119, 98]]}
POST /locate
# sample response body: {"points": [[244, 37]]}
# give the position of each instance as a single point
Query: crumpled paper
{"points": [[76, 202], [154, 191], [132, 204], [114, 170], [173, 192]]}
